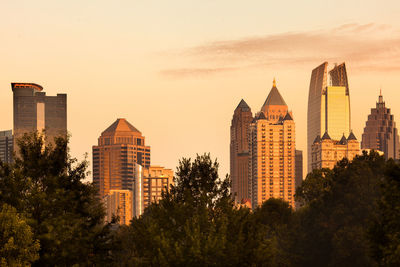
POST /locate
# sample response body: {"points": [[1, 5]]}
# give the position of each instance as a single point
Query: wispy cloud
{"points": [[366, 47]]}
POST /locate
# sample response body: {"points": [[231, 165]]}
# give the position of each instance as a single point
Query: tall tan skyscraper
{"points": [[328, 105], [272, 152], [380, 132], [239, 151], [34, 111], [119, 147]]}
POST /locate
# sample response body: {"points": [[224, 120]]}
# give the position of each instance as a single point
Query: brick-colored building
{"points": [[119, 147], [239, 151], [326, 152]]}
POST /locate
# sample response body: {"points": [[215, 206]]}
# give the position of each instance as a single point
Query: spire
{"points": [[351, 136], [326, 136], [343, 141], [274, 97], [243, 105], [288, 117]]}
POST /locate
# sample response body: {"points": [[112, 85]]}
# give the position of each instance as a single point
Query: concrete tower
{"points": [[34, 111]]}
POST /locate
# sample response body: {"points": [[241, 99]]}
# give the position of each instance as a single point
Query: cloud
{"points": [[365, 47]]}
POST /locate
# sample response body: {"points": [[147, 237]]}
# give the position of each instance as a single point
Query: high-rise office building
{"points": [[272, 152], [119, 203], [119, 147], [326, 152], [6, 146], [380, 132], [149, 185], [239, 151], [328, 105], [34, 111]]}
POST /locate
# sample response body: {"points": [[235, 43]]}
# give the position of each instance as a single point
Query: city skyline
{"points": [[152, 74]]}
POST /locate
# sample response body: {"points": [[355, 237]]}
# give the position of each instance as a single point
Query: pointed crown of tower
{"points": [[274, 97]]}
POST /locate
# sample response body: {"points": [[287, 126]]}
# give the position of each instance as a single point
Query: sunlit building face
{"points": [[328, 105]]}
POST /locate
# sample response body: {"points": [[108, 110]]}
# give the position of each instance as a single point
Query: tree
{"points": [[339, 205], [384, 233], [65, 214], [17, 245], [194, 224]]}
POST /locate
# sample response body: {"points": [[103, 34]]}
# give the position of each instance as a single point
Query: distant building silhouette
{"points": [[34, 111], [380, 132], [239, 151], [6, 146], [272, 152], [328, 105]]}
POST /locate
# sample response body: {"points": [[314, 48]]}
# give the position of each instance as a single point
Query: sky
{"points": [[176, 70]]}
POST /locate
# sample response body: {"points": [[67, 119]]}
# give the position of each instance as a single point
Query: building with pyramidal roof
{"points": [[272, 146], [380, 132], [118, 158]]}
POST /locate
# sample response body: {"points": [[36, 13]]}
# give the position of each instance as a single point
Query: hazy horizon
{"points": [[176, 70]]}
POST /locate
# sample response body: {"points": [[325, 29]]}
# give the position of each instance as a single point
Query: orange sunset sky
{"points": [[177, 69]]}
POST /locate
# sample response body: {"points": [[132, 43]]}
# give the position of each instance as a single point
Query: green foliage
{"points": [[385, 229], [339, 205], [17, 245], [64, 213]]}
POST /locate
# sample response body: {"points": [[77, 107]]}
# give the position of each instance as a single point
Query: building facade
{"points": [[299, 167], [149, 186], [6, 146], [272, 152], [119, 147], [239, 151], [380, 132], [119, 203], [326, 152], [328, 105], [34, 111]]}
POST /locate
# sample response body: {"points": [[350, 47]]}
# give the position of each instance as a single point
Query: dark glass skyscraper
{"points": [[380, 132]]}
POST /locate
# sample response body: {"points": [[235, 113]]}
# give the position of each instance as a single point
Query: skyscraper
{"points": [[34, 111], [239, 151], [119, 147], [328, 105], [149, 185], [6, 146], [272, 152], [380, 132]]}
